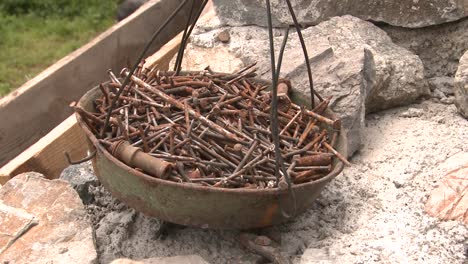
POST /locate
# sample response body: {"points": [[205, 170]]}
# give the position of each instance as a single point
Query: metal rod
{"points": [[184, 41], [283, 47], [135, 66], [181, 47], [306, 56], [274, 104]]}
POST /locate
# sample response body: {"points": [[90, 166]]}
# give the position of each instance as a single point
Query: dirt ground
{"points": [[372, 212]]}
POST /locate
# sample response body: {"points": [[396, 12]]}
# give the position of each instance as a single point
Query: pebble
{"points": [[224, 36], [412, 112]]}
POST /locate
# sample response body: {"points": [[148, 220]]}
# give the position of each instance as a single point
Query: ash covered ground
{"points": [[372, 213]]}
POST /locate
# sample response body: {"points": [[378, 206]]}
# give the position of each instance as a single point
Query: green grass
{"points": [[31, 41]]}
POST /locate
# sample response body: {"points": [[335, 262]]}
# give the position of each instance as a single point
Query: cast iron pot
{"points": [[196, 205]]}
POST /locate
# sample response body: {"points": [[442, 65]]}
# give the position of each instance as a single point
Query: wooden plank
{"points": [[47, 155], [34, 109]]}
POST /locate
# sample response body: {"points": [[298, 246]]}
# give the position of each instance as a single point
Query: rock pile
{"points": [[439, 47], [352, 60]]}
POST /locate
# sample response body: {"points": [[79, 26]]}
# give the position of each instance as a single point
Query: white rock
{"points": [[461, 86]]}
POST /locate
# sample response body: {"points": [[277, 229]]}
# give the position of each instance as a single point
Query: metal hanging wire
{"points": [[137, 62], [184, 35], [274, 104], [306, 56], [274, 124], [188, 30]]}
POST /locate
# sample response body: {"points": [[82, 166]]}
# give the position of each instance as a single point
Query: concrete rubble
{"points": [[43, 221]]}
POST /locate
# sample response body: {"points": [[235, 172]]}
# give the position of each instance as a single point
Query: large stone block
{"points": [[43, 221], [404, 13]]}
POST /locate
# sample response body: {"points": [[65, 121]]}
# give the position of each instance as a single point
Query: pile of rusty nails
{"points": [[212, 129]]}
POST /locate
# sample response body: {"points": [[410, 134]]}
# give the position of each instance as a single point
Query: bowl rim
{"points": [[338, 168]]}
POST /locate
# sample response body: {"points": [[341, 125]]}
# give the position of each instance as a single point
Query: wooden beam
{"points": [[47, 155]]}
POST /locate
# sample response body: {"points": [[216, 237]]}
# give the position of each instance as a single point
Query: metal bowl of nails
{"points": [[197, 149]]}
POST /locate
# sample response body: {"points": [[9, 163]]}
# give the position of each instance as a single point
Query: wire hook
{"points": [[76, 162]]}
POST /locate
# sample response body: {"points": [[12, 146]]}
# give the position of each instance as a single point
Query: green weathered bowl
{"points": [[196, 205]]}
